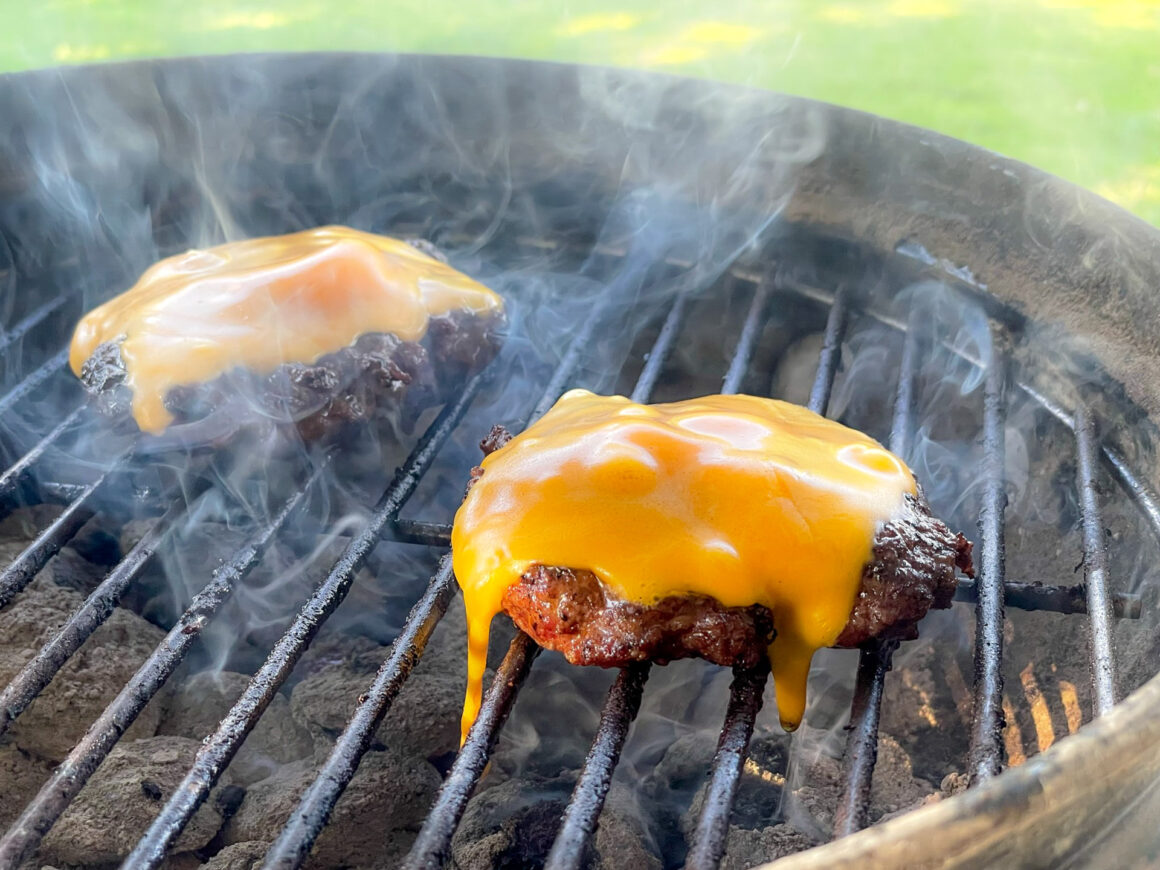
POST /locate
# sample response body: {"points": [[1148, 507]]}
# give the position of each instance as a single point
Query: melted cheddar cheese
{"points": [[261, 303], [747, 500]]}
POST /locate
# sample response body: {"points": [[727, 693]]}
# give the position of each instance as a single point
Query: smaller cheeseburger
{"points": [[316, 329], [727, 527]]}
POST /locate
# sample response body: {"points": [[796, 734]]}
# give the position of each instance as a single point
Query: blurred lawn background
{"points": [[1072, 86]]}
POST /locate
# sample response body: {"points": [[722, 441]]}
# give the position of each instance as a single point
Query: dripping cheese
{"points": [[261, 303], [743, 499]]}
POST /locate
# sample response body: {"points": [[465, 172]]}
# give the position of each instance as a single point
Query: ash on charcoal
{"points": [[114, 809], [512, 825], [184, 861], [373, 824], [746, 848], [24, 523], [324, 700], [87, 682], [239, 856], [672, 786], [200, 702], [423, 721], [21, 776], [771, 818], [927, 706], [895, 787], [70, 570], [817, 787]]}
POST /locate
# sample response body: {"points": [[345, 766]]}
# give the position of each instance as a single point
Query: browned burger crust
{"points": [[571, 611], [913, 570]]}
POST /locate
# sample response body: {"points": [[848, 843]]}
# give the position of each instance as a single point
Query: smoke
{"points": [[109, 170], [567, 191]]}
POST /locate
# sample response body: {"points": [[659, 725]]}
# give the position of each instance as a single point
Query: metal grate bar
{"points": [[434, 839], [217, 749], [902, 424], [831, 354], [750, 332], [712, 833], [1140, 491], [422, 532], [583, 810], [1060, 599], [862, 742], [658, 355], [40, 670], [310, 816], [72, 774], [54, 490], [39, 377], [10, 478], [33, 319], [986, 749], [19, 573], [1095, 562], [874, 658]]}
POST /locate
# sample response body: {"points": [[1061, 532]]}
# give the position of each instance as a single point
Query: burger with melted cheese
{"points": [[726, 527], [316, 329]]}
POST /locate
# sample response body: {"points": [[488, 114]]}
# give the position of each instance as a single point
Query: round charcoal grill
{"points": [[661, 238]]}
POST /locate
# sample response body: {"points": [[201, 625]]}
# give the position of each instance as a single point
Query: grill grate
{"points": [[624, 698], [986, 753]]}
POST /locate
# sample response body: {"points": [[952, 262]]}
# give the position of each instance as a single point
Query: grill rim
{"points": [[1119, 746]]}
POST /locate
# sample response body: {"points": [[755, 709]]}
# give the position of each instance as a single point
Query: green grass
{"points": [[1072, 86]]}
